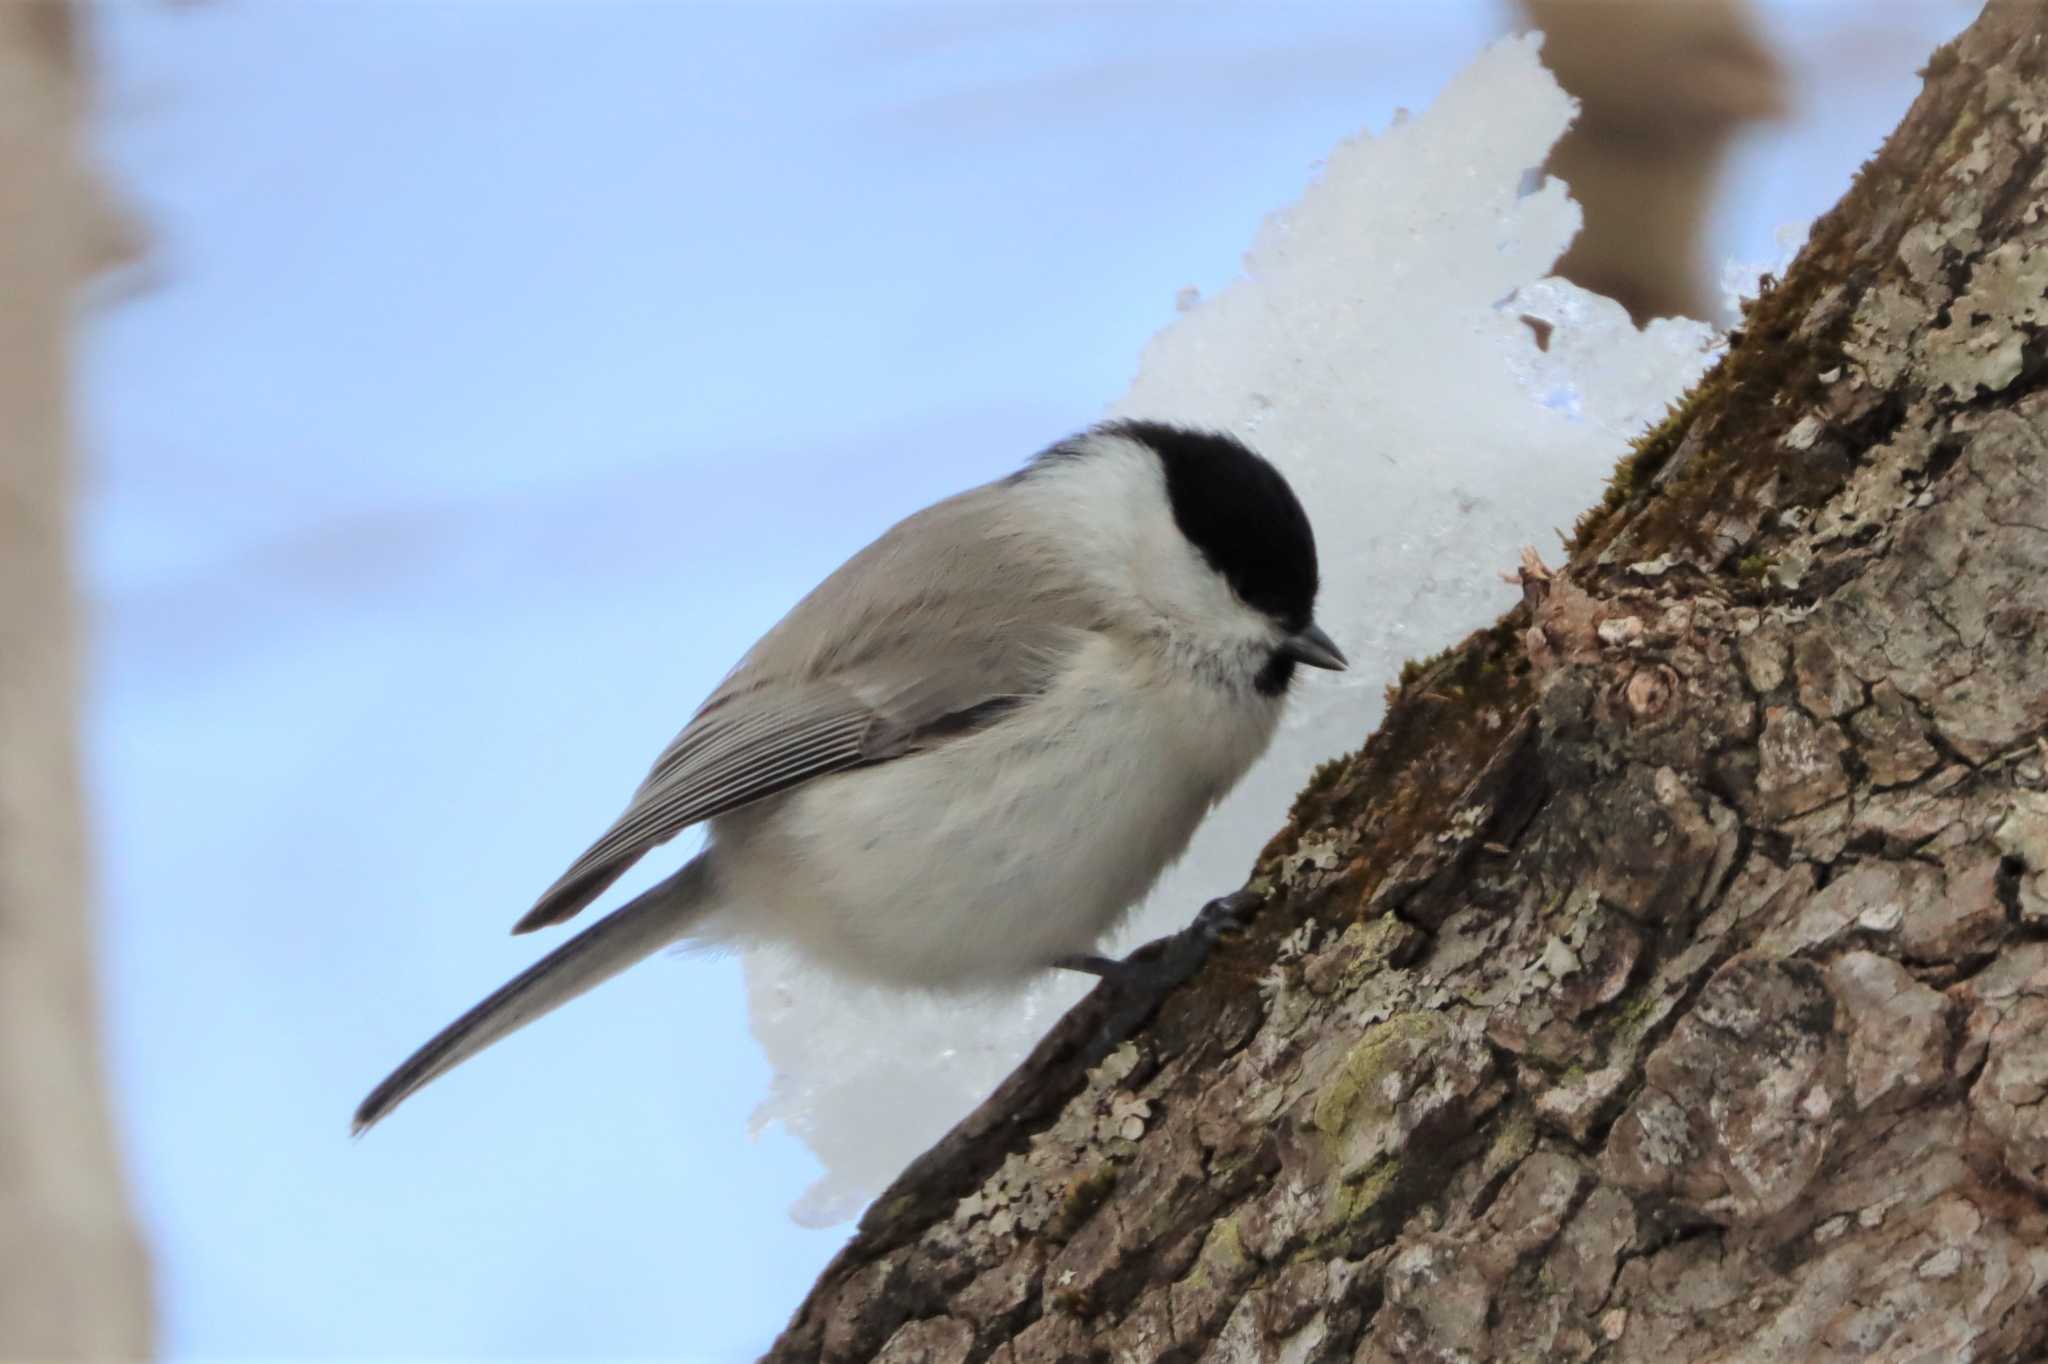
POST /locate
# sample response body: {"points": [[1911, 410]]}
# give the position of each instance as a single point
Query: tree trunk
{"points": [[1667, 978], [73, 1283]]}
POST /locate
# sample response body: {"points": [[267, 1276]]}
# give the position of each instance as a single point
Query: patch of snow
{"points": [[1378, 349]]}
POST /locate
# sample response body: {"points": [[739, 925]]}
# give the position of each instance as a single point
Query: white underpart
{"points": [[1375, 351], [975, 817]]}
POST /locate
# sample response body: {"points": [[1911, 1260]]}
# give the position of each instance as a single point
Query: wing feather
{"points": [[939, 628], [713, 768]]}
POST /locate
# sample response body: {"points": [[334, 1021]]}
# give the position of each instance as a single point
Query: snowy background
{"points": [[500, 371]]}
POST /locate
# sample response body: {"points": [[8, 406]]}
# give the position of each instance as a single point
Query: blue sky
{"points": [[499, 372]]}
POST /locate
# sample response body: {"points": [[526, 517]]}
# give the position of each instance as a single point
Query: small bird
{"points": [[975, 746]]}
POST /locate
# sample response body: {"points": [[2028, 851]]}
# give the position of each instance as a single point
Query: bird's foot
{"points": [[1163, 963], [1141, 981]]}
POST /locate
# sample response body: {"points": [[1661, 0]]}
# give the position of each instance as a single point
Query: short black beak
{"points": [[1313, 647]]}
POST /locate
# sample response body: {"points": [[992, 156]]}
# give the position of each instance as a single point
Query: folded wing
{"points": [[742, 751], [939, 628]]}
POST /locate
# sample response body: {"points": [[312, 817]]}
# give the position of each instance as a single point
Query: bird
{"points": [[964, 756]]}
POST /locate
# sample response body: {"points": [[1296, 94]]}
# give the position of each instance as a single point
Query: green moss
{"points": [[1753, 567], [1222, 1256], [1962, 132], [900, 1206], [1633, 1013], [1353, 1088], [1412, 671], [1222, 1250], [1941, 63], [1647, 455], [1084, 1196], [1379, 942], [1224, 1244], [1512, 1143], [1326, 775], [1361, 1192]]}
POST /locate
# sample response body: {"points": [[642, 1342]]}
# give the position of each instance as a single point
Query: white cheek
{"points": [[1190, 595], [1120, 534]]}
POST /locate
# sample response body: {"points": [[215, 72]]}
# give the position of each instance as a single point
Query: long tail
{"points": [[639, 928]]}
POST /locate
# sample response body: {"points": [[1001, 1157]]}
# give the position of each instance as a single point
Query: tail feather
{"points": [[639, 928], [566, 898]]}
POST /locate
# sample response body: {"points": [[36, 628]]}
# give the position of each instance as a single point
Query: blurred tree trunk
{"points": [[1667, 978], [1663, 88], [73, 1282]]}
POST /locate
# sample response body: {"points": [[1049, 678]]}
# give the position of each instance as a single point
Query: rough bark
{"points": [[73, 1283], [1667, 978]]}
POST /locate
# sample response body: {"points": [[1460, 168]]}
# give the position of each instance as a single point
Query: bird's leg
{"points": [[1163, 963], [1144, 978]]}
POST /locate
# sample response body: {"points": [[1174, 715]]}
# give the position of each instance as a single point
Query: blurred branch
{"points": [[73, 1281], [1664, 85]]}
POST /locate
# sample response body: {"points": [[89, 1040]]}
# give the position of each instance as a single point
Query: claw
{"points": [[1148, 975]]}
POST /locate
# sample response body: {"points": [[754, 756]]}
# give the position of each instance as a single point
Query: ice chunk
{"points": [[1376, 348]]}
